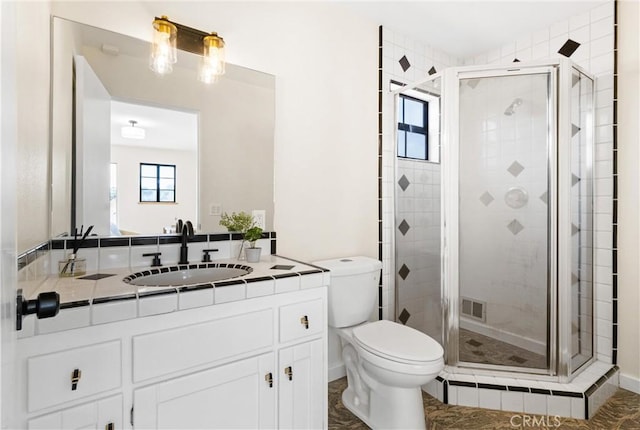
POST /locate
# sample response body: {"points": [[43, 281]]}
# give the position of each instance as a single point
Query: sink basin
{"points": [[187, 276]]}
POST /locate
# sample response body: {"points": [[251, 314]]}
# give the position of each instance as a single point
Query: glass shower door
{"points": [[504, 221]]}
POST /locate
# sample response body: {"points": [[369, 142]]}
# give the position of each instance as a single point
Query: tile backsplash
{"points": [[117, 252]]}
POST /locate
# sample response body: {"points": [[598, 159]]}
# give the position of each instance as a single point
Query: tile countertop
{"points": [[76, 292]]}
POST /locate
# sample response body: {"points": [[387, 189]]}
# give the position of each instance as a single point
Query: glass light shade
{"points": [[212, 65], [133, 132], [164, 51]]}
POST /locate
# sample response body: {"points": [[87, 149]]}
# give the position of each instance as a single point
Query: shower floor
{"points": [[478, 348]]}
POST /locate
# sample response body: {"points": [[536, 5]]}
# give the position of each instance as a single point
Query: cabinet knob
{"points": [[269, 378], [109, 426], [305, 322], [289, 372], [75, 378]]}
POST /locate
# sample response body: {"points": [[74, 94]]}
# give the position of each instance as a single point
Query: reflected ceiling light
{"points": [[164, 53], [132, 132], [212, 64], [170, 36]]}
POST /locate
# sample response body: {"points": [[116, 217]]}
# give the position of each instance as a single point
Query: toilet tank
{"points": [[353, 292]]}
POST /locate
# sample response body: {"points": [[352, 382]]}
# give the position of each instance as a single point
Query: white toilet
{"points": [[386, 362]]}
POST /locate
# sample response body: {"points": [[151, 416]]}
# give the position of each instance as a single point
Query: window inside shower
{"points": [[413, 120]]}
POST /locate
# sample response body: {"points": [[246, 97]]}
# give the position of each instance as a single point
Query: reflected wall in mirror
{"points": [[216, 139]]}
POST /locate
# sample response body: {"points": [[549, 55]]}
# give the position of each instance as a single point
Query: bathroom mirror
{"points": [[206, 149]]}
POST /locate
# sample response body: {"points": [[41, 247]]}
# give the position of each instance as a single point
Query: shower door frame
{"points": [[450, 201], [559, 223], [559, 233]]}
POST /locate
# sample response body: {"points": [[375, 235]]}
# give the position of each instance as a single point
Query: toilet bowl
{"points": [[386, 362]]}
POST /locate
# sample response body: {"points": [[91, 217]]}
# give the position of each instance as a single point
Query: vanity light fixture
{"points": [[132, 132], [170, 36], [164, 53], [212, 64]]}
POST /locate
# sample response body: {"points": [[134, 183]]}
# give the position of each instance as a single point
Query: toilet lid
{"points": [[397, 342]]}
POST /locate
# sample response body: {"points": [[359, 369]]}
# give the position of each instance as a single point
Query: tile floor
{"points": [[621, 412], [477, 348]]}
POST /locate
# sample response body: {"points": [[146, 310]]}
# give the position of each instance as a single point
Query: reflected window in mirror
{"points": [[413, 117], [157, 183]]}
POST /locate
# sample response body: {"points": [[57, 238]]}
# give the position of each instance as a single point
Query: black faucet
{"points": [[186, 230]]}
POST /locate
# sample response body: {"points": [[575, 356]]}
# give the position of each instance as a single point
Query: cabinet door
{"points": [[236, 395], [102, 414], [301, 388]]}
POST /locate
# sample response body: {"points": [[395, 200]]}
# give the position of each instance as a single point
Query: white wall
{"points": [[629, 195], [325, 61], [32, 163], [150, 218]]}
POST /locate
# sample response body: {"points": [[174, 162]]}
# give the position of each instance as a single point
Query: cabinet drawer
{"points": [[301, 319], [183, 348], [50, 377]]}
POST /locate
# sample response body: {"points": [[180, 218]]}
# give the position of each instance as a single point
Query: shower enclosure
{"points": [[494, 216]]}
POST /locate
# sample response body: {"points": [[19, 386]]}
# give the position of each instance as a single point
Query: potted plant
{"points": [[251, 236], [243, 223]]}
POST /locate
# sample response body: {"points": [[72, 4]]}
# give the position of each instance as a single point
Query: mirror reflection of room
{"points": [[154, 174], [216, 138]]}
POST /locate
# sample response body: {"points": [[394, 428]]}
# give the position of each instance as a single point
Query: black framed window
{"points": [[413, 119], [157, 182]]}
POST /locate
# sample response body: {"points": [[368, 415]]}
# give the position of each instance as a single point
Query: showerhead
{"points": [[512, 107]]}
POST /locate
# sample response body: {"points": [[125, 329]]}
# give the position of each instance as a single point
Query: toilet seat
{"points": [[398, 343]]}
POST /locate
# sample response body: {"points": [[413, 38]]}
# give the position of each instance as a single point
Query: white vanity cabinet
{"points": [[103, 414], [236, 395], [254, 363], [301, 386]]}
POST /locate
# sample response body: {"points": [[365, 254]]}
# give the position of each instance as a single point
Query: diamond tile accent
{"points": [[474, 342], [486, 198], [574, 179], [517, 359], [544, 197], [574, 229], [515, 227], [404, 63], [404, 272], [568, 48], [404, 183], [432, 71], [515, 169], [473, 82], [574, 130], [515, 60], [404, 227], [404, 316]]}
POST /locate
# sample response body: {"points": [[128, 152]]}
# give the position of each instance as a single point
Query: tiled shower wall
{"points": [[418, 246], [594, 33], [404, 60]]}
